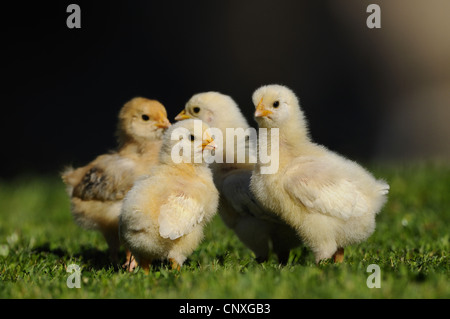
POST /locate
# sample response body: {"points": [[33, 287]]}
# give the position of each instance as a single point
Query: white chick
{"points": [[96, 190], [331, 201], [258, 228], [164, 214]]}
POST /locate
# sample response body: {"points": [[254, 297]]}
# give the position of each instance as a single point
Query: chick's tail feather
{"points": [[383, 187], [67, 175], [68, 179]]}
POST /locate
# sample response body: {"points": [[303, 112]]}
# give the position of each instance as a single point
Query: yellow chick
{"points": [[96, 190], [258, 228], [331, 201], [164, 214]]}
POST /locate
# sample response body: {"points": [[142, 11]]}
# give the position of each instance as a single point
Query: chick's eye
{"points": [[191, 137], [276, 104], [145, 117], [196, 109]]}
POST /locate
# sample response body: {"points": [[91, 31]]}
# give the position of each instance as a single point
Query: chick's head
{"points": [[142, 119], [275, 105], [187, 141], [216, 109]]}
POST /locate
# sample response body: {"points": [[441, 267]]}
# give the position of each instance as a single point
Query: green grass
{"points": [[38, 239]]}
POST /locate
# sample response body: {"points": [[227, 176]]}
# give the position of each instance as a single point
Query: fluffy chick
{"points": [[163, 215], [258, 228], [331, 201], [96, 190]]}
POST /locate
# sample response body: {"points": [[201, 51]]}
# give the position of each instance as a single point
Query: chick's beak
{"points": [[261, 111], [182, 116], [163, 123], [209, 144]]}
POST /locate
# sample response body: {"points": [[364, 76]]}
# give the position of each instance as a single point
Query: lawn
{"points": [[38, 240]]}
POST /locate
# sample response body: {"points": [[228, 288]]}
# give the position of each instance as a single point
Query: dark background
{"points": [[370, 94]]}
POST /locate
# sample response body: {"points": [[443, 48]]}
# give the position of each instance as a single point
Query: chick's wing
{"points": [[179, 215], [320, 187]]}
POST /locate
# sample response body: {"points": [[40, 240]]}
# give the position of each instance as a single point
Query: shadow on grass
{"points": [[97, 259], [45, 248], [92, 257]]}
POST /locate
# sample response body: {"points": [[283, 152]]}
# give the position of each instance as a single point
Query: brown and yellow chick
{"points": [[97, 190], [164, 214], [331, 201]]}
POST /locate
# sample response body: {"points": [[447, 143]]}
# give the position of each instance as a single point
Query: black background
{"points": [[62, 88]]}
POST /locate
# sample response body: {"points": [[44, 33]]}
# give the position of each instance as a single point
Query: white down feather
{"points": [[179, 216]]}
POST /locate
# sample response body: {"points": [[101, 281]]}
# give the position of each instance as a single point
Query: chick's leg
{"points": [[175, 264], [130, 263], [145, 265], [183, 247], [324, 251], [319, 234], [338, 256]]}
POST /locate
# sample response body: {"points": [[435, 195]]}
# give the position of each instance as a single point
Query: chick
{"points": [[258, 228], [331, 201], [164, 214], [97, 189]]}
